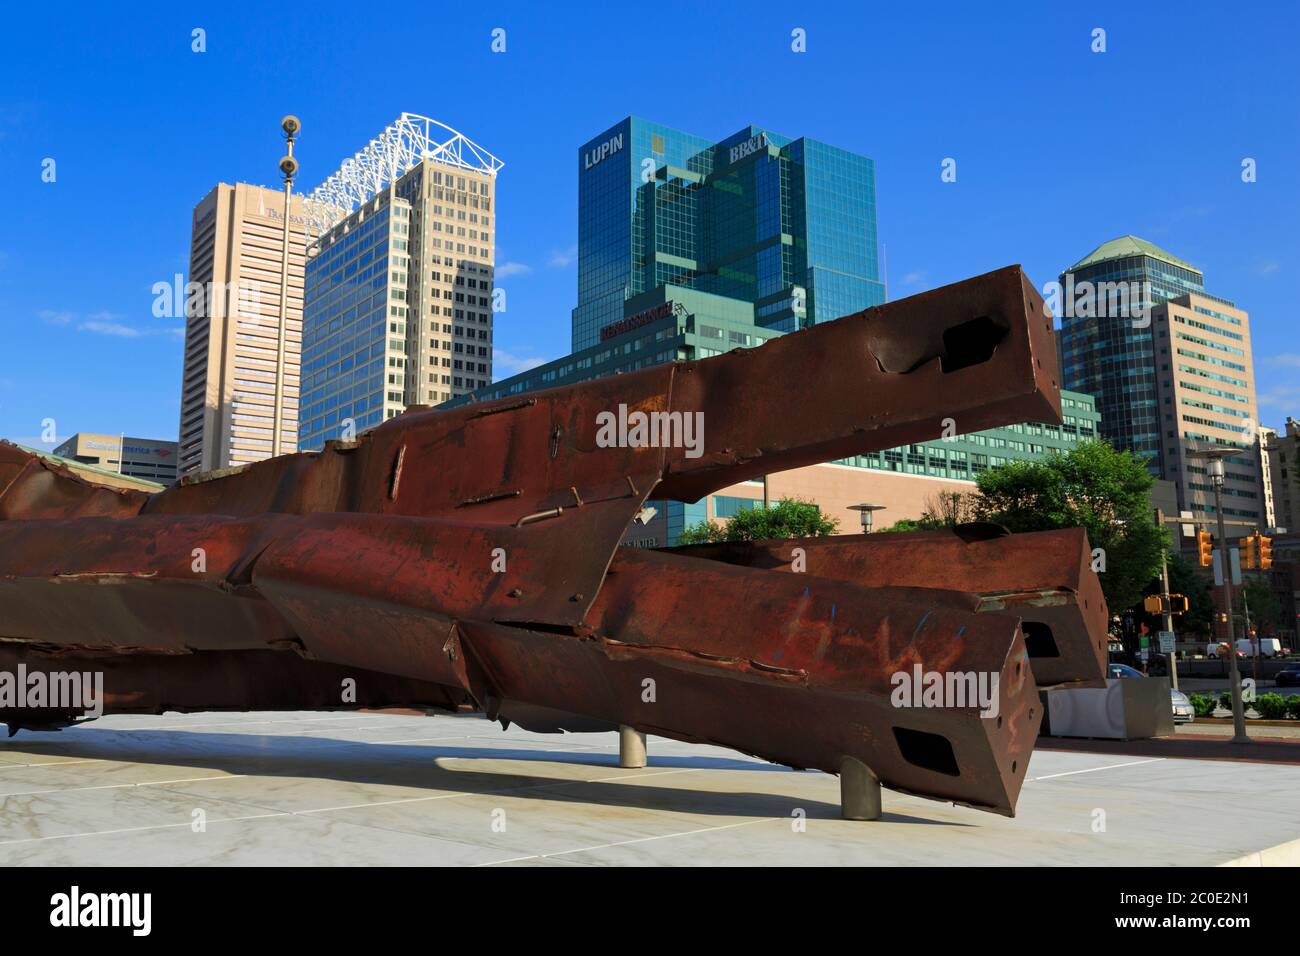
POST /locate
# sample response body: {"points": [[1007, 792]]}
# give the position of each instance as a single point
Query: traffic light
{"points": [[1248, 554], [1264, 551], [1205, 548], [1152, 604], [1178, 604]]}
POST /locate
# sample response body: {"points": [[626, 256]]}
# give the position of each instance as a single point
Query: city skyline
{"points": [[1035, 188]]}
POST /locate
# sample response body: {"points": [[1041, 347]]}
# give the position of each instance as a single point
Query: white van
{"points": [[1268, 646]]}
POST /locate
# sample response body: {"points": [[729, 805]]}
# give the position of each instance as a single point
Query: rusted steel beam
{"points": [[35, 487], [1045, 578], [172, 585], [804, 672], [474, 554], [232, 680], [971, 355]]}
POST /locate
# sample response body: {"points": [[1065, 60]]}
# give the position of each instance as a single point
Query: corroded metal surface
{"points": [[472, 556], [1044, 577]]}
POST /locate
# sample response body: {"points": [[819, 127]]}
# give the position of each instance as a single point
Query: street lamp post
{"points": [[289, 167], [1214, 464], [865, 512], [1161, 521], [1168, 610]]}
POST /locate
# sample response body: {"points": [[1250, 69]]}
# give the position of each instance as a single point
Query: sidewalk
{"points": [[353, 789], [1277, 745]]}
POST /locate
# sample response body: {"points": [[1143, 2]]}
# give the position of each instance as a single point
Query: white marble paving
{"points": [[390, 789]]}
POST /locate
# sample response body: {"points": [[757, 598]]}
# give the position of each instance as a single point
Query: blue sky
{"points": [[1058, 149]]}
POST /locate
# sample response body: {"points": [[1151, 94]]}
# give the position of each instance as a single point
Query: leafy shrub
{"points": [[1203, 704], [1293, 706], [788, 518], [1271, 706]]}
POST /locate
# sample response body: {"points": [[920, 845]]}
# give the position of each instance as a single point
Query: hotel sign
{"points": [[598, 154], [661, 311], [748, 147]]}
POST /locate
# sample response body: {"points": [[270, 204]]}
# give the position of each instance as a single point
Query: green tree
{"points": [[942, 510], [1265, 608], [1094, 487], [788, 518]]}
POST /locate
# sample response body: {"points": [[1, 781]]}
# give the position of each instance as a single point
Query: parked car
{"points": [[1289, 677], [1184, 712]]}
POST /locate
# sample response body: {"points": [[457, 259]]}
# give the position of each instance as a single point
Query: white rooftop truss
{"points": [[404, 143]]}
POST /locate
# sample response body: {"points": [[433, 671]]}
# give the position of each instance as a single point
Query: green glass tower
{"points": [[788, 226]]}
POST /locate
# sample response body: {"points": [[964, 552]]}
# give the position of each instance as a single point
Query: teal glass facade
{"points": [[786, 225], [345, 332], [694, 325], [965, 457]]}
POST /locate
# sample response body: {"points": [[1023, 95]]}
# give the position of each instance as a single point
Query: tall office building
{"points": [[233, 325], [785, 225], [1106, 343], [399, 285], [1169, 365], [689, 248], [1206, 386], [1283, 455]]}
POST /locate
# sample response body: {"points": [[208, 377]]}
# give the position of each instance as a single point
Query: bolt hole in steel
{"points": [[970, 343], [927, 751], [959, 346], [1039, 641]]}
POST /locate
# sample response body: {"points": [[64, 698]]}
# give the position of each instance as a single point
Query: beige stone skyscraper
{"points": [[232, 328], [1205, 384]]}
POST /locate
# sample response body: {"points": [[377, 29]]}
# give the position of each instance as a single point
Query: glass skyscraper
{"points": [[1106, 338], [788, 226], [350, 345]]}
